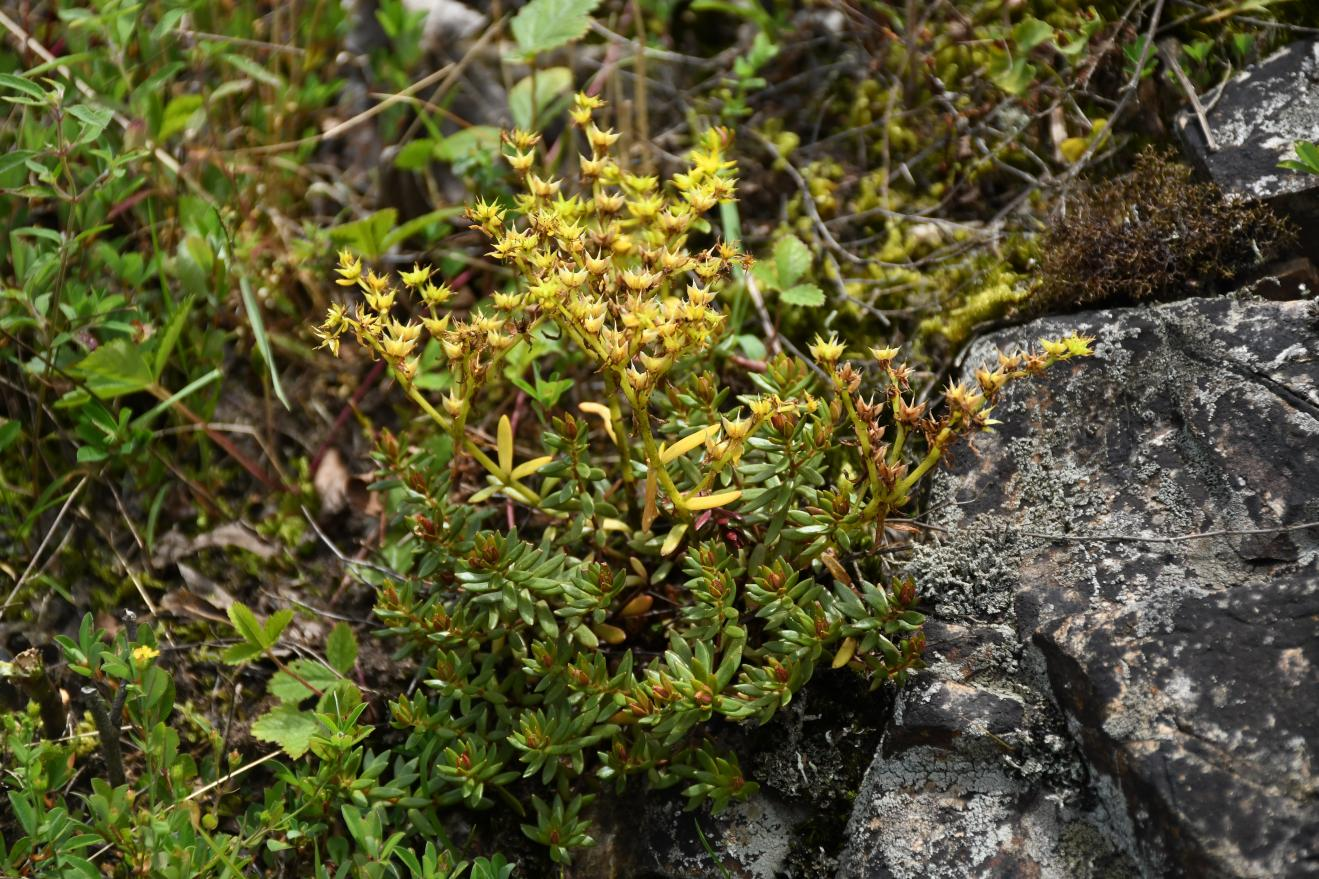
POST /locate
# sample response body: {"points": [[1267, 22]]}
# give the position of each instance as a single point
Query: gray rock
{"points": [[1255, 121], [1121, 707], [809, 761]]}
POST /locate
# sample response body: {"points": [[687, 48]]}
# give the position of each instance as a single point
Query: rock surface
{"points": [[1255, 121], [1121, 707], [809, 761]]}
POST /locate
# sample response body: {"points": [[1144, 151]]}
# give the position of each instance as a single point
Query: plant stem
{"points": [[31, 677], [109, 733]]}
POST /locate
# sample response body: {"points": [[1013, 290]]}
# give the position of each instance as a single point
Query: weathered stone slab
{"points": [[1255, 121], [1167, 690]]}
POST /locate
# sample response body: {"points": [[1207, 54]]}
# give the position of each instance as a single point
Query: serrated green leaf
{"points": [[806, 295], [245, 623], [238, 653], [765, 274], [275, 625], [792, 259], [116, 368], [287, 727], [285, 687], [543, 25], [341, 648], [527, 107]]}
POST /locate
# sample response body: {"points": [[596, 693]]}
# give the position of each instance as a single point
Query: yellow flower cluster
{"points": [[609, 266]]}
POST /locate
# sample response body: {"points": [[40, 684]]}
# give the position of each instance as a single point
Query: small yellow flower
{"points": [[827, 351], [1054, 347], [521, 162], [583, 106], [884, 356], [416, 277], [144, 654], [600, 140], [350, 268], [433, 295]]}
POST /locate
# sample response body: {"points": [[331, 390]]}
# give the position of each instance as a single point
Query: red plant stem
{"points": [[371, 378]]}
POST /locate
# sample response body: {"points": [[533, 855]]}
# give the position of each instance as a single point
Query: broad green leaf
{"points": [[532, 108], [287, 688], [792, 259], [275, 625], [1014, 77], [94, 120], [1030, 32], [367, 235], [239, 653], [287, 727], [462, 145], [752, 346], [1307, 158], [806, 295], [179, 114], [543, 25], [246, 623], [341, 648], [765, 274], [415, 155], [116, 368]]}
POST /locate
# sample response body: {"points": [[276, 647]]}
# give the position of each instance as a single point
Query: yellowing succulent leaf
{"points": [[650, 510], [505, 439], [710, 501], [687, 443], [609, 634], [675, 537], [637, 606], [526, 468], [600, 411], [846, 651]]}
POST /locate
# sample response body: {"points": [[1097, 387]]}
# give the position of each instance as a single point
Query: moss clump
{"points": [[1153, 234]]}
